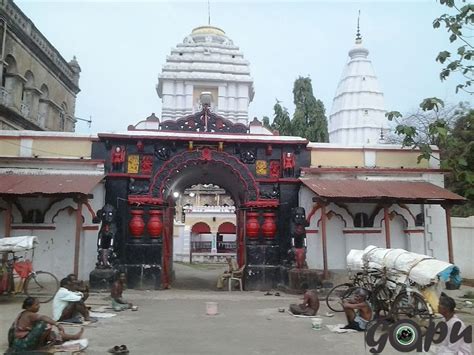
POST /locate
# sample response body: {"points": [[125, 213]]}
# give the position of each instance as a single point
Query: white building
{"points": [[358, 111], [206, 61]]}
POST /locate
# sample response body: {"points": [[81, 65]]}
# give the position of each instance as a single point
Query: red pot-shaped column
{"points": [[136, 226], [252, 228], [155, 225], [269, 226]]}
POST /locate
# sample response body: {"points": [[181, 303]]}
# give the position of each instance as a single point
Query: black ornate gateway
{"points": [[204, 121], [167, 174], [146, 165]]}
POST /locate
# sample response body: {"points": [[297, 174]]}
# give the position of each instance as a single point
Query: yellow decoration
{"points": [[133, 164], [261, 167]]}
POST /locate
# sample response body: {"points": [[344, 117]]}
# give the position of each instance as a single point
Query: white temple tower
{"points": [[206, 61], [358, 111]]}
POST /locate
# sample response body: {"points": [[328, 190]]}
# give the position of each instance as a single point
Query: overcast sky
{"points": [[122, 46]]}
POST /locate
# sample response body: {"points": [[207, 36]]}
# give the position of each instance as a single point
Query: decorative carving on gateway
{"points": [[203, 121], [186, 159], [162, 152], [248, 156]]}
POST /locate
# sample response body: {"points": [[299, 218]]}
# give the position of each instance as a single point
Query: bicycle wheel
{"points": [[337, 294], [42, 285], [412, 306], [380, 300]]}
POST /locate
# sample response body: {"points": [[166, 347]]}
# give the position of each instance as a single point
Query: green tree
{"points": [[458, 21], [266, 122], [456, 141], [281, 120], [309, 120]]}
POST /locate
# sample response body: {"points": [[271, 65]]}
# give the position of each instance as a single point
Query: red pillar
{"points": [[77, 244], [447, 208], [386, 218], [323, 237]]}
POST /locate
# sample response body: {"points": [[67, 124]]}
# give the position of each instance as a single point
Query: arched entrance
{"points": [[190, 168]]}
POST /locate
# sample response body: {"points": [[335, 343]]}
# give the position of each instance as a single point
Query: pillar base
{"points": [[101, 279], [312, 277]]}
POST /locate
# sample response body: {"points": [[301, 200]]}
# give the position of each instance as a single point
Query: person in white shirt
{"points": [[68, 305], [446, 309]]}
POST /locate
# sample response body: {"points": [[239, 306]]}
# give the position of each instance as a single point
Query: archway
{"points": [[204, 166]]}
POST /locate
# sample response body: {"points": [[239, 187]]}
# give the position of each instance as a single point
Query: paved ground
{"points": [[175, 322]]}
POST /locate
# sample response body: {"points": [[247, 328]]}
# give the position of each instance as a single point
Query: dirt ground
{"points": [[175, 322]]}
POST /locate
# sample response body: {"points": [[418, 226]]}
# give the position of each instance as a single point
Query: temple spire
{"points": [[208, 13], [358, 35]]}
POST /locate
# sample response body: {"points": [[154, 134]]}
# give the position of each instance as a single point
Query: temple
{"points": [[202, 181]]}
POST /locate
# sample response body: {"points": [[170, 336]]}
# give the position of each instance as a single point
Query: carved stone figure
{"points": [[298, 235], [162, 153], [105, 240], [248, 157], [289, 163], [273, 194], [118, 158], [137, 187]]}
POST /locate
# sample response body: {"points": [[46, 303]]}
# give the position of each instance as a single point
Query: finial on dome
{"points": [[358, 35], [208, 13]]}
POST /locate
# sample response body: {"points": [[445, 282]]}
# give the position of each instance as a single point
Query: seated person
{"points": [[310, 305], [118, 303], [78, 285], [68, 305], [446, 309], [358, 311], [231, 266], [31, 331]]}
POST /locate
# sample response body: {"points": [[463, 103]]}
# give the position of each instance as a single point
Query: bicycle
{"points": [[42, 285], [366, 279], [398, 300]]}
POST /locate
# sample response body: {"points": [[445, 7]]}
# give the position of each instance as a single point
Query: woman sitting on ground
{"points": [[33, 331]]}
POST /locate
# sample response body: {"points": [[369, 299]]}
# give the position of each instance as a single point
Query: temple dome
{"points": [[358, 111], [206, 60]]}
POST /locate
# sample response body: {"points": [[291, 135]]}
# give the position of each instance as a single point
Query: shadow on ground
{"points": [[201, 277]]}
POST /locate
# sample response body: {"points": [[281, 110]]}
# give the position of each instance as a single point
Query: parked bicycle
{"points": [[19, 276], [398, 298], [366, 279]]}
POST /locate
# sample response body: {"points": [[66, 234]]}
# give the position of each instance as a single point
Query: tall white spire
{"points": [[358, 110]]}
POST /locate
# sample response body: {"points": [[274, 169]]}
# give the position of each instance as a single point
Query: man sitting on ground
{"points": [[358, 310], [310, 305], [118, 303], [79, 285], [231, 266], [446, 309], [68, 305]]}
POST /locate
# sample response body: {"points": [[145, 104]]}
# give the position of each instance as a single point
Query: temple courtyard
{"points": [[175, 322]]}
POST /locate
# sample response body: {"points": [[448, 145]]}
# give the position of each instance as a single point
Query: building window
{"points": [[420, 220], [4, 75], [361, 220], [61, 120]]}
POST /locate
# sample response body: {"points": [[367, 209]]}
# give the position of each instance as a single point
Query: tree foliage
{"points": [[455, 139], [457, 23], [309, 120], [421, 121], [281, 120], [266, 123], [454, 136]]}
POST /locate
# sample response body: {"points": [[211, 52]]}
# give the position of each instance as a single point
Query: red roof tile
{"points": [[379, 190], [21, 184]]}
